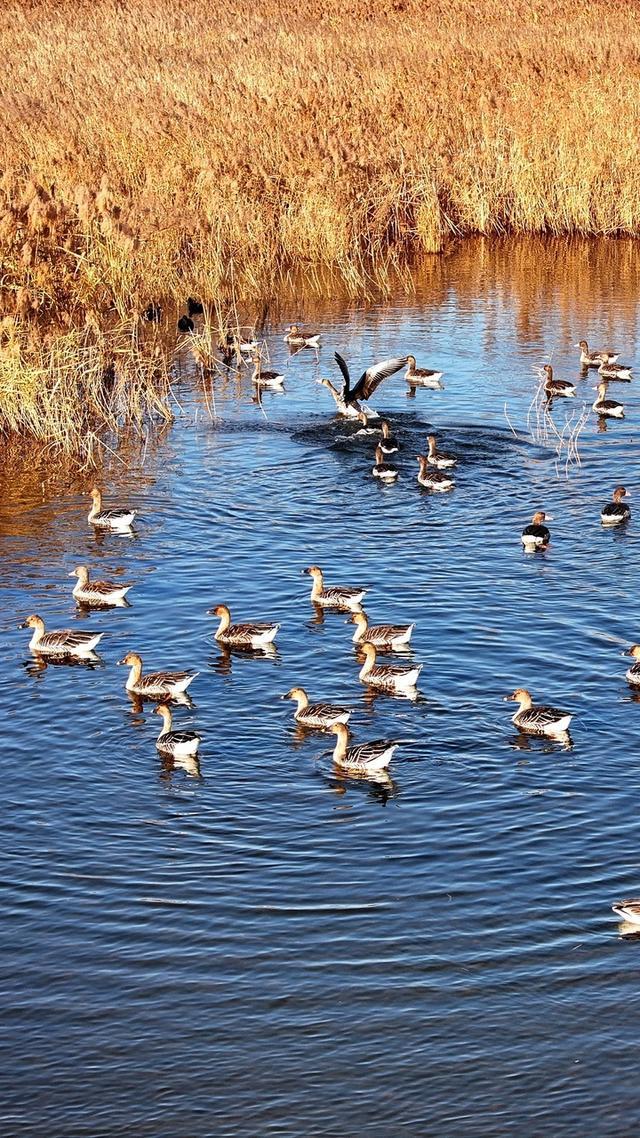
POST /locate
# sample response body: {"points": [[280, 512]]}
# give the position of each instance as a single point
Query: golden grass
{"points": [[159, 148]]}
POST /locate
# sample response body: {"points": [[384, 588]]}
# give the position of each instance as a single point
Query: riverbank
{"points": [[163, 150]]}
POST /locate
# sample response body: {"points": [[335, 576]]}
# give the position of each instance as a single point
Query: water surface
{"points": [[269, 949]]}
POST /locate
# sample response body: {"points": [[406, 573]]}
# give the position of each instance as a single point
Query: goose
{"points": [[370, 379], [273, 379], [156, 684], [65, 642], [299, 339], [609, 408], [557, 387], [153, 312], [431, 477], [629, 910], [609, 369], [387, 677], [108, 519], [194, 307], [595, 357], [364, 417], [380, 635], [335, 596], [388, 444], [385, 471], [242, 635], [422, 376], [633, 673], [365, 758], [537, 720], [185, 324], [351, 410], [319, 715], [97, 592], [231, 342], [537, 535], [180, 744], [617, 511], [438, 458]]}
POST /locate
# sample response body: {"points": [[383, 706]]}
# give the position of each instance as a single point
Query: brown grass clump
{"points": [[160, 149]]}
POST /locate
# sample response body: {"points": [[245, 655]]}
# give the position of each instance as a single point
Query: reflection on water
{"points": [[256, 918]]}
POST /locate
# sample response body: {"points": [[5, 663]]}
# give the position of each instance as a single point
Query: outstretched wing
{"points": [[374, 375], [345, 375]]}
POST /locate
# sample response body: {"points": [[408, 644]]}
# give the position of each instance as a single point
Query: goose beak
{"points": [[549, 518], [71, 574], [304, 572], [23, 625], [507, 699], [118, 662], [627, 652], [211, 612]]}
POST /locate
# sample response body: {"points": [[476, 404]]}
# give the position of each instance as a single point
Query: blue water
{"points": [[270, 948]]}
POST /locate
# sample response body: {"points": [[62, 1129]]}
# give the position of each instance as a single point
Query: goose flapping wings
{"points": [[370, 379]]}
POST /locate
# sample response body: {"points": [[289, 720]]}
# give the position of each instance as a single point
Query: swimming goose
{"points": [[385, 471], [299, 339], [97, 592], [365, 758], [431, 477], [108, 519], [595, 357], [438, 458], [370, 379], [231, 342], [557, 387], [65, 642], [177, 743], [388, 444], [537, 535], [537, 720], [617, 511], [274, 379], [609, 408], [155, 685], [629, 910], [322, 716], [185, 324], [633, 673], [387, 677], [380, 635], [422, 376], [242, 635], [336, 596], [609, 369], [364, 417]]}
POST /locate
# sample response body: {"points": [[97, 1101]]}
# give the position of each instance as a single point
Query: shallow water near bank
{"points": [[269, 948]]}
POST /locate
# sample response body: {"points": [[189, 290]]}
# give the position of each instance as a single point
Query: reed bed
{"points": [[160, 149]]}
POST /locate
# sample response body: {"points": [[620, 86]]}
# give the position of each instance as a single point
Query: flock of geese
{"points": [[370, 759]]}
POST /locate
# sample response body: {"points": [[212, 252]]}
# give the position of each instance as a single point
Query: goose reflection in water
{"points": [[169, 765], [223, 662], [137, 704], [104, 537], [370, 695], [37, 665], [380, 786], [545, 745]]}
